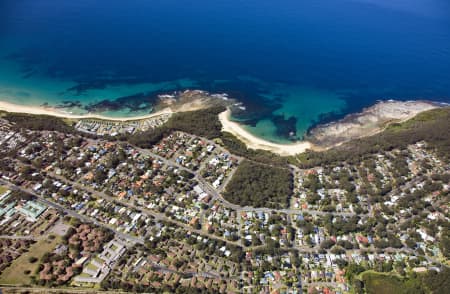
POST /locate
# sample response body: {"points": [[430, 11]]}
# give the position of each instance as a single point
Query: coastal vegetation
{"points": [[431, 126], [201, 122], [260, 185], [285, 174], [39, 122], [204, 123], [371, 282], [332, 208], [385, 283], [237, 147]]}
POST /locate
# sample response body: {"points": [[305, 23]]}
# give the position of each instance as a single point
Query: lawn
{"points": [[389, 284], [15, 273], [91, 267], [99, 260], [3, 189]]}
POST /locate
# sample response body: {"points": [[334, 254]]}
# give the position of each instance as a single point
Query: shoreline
{"points": [[254, 142], [369, 121], [40, 110]]}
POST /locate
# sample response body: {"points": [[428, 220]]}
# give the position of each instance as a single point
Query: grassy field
{"points": [[375, 283], [3, 189], [91, 267], [15, 273]]}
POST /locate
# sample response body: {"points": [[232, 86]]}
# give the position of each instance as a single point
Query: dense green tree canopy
{"points": [[260, 185]]}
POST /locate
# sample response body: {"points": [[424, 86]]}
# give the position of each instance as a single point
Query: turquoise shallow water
{"points": [[308, 106], [292, 63], [41, 89]]}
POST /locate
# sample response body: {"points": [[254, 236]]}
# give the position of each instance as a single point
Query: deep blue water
{"points": [[292, 63]]}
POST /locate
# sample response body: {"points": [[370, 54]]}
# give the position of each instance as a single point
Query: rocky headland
{"points": [[368, 122]]}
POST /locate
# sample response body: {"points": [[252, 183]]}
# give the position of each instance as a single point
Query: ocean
{"points": [[293, 64]]}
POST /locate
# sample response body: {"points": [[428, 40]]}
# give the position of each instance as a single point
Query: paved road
{"points": [[72, 213], [322, 284], [17, 237], [216, 195], [154, 214], [8, 288], [10, 138]]}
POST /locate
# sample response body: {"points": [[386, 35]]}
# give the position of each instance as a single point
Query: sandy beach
{"points": [[369, 122], [249, 139], [11, 107], [254, 142]]}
